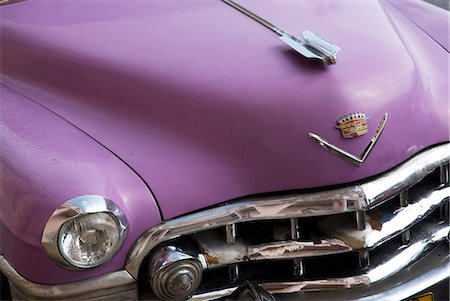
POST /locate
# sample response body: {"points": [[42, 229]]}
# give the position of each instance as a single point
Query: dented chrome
{"points": [[217, 253]]}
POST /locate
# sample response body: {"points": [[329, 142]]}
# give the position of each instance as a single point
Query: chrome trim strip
{"points": [[406, 175], [400, 221], [356, 160], [347, 199], [314, 285], [119, 283], [72, 209], [6, 2], [213, 295]]}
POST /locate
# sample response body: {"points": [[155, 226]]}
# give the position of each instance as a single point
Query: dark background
{"points": [[441, 3]]}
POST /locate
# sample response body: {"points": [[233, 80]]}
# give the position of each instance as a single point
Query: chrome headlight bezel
{"points": [[71, 210]]}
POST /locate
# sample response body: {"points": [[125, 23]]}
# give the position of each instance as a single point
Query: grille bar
{"points": [[231, 236], [299, 268], [404, 201], [396, 223], [406, 175], [217, 253]]}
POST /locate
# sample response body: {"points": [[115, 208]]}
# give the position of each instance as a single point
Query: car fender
{"points": [[45, 161]]}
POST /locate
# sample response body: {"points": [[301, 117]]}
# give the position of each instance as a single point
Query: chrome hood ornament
{"points": [[311, 46], [356, 160]]}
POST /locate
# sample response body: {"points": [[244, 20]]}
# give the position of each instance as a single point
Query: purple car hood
{"points": [[207, 105]]}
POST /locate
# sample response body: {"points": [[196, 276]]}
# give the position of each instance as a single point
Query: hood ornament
{"points": [[311, 46], [353, 125], [356, 160]]}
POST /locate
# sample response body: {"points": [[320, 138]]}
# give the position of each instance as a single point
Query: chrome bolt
{"points": [[364, 259], [404, 201], [295, 235], [406, 236], [444, 174], [181, 284], [295, 229], [444, 210], [231, 237], [231, 233], [360, 220]]}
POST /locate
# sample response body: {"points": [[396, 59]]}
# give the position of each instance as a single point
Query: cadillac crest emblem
{"points": [[352, 125]]}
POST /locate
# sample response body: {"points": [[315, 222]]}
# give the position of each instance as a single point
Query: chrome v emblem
{"points": [[357, 160]]}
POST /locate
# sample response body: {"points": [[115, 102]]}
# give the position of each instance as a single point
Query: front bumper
{"points": [[429, 273], [112, 286]]}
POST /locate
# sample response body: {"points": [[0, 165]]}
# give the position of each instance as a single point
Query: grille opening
{"points": [[381, 214], [259, 232], [279, 270], [332, 266], [212, 279], [264, 271], [390, 206], [425, 186], [264, 231]]}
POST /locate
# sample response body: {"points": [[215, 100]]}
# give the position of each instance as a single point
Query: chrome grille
{"points": [[340, 238]]}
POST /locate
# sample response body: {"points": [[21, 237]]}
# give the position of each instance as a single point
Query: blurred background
{"points": [[445, 4]]}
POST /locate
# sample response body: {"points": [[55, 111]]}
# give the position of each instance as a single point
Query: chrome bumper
{"points": [[113, 286]]}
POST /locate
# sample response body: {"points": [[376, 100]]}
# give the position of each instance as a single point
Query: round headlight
{"points": [[89, 240], [84, 232]]}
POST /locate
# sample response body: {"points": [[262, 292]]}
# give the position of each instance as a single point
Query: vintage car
{"points": [[194, 149]]}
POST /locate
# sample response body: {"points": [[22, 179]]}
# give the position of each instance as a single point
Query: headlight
{"points": [[84, 232]]}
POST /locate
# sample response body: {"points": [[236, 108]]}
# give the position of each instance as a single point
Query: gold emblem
{"points": [[352, 125]]}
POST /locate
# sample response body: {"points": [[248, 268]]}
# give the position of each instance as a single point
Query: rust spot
{"points": [[212, 260], [374, 219]]}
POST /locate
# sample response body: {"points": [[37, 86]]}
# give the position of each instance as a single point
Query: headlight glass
{"points": [[84, 232], [89, 240]]}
